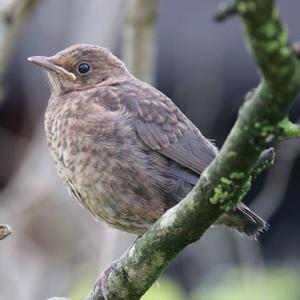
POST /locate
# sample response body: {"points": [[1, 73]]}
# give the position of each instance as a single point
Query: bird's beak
{"points": [[46, 63]]}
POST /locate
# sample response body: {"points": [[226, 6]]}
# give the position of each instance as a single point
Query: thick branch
{"points": [[228, 178]]}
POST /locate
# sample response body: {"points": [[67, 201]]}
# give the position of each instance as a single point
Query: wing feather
{"points": [[164, 128]]}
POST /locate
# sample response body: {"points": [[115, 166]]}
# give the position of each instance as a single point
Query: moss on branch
{"points": [[287, 129]]}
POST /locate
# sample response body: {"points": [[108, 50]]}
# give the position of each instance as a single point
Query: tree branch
{"points": [[229, 176], [265, 160], [226, 10], [296, 48], [5, 231], [139, 45]]}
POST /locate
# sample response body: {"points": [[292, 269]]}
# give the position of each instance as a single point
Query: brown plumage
{"points": [[123, 148]]}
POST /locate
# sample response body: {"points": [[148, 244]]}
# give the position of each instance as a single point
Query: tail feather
{"points": [[244, 220]]}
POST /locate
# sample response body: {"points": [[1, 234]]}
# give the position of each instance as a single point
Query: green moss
{"points": [[271, 46], [266, 131], [263, 166], [225, 180], [244, 7], [230, 189], [270, 29], [219, 195], [237, 175], [285, 52], [288, 129], [256, 125], [245, 187], [283, 37]]}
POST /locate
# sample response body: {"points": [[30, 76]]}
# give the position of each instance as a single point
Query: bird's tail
{"points": [[243, 220]]}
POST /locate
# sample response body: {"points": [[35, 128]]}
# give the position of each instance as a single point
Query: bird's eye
{"points": [[83, 68]]}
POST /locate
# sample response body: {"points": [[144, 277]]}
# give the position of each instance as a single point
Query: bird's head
{"points": [[80, 67]]}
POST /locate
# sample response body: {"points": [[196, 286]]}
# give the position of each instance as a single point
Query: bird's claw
{"points": [[102, 280]]}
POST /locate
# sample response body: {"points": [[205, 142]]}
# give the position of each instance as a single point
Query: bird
{"points": [[123, 149]]}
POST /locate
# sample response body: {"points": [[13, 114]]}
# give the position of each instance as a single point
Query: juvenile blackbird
{"points": [[123, 149]]}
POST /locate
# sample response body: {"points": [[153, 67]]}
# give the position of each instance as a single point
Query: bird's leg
{"points": [[102, 280]]}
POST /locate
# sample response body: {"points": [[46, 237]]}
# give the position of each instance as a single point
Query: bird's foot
{"points": [[102, 280]]}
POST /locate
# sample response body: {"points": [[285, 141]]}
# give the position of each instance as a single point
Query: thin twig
{"points": [[265, 160], [272, 194], [5, 231], [296, 48], [225, 10]]}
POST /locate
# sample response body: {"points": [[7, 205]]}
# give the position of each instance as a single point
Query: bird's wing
{"points": [[164, 128]]}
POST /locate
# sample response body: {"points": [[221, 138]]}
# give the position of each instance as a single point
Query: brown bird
{"points": [[123, 149]]}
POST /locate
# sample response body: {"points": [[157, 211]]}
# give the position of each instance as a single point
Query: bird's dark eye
{"points": [[83, 68]]}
